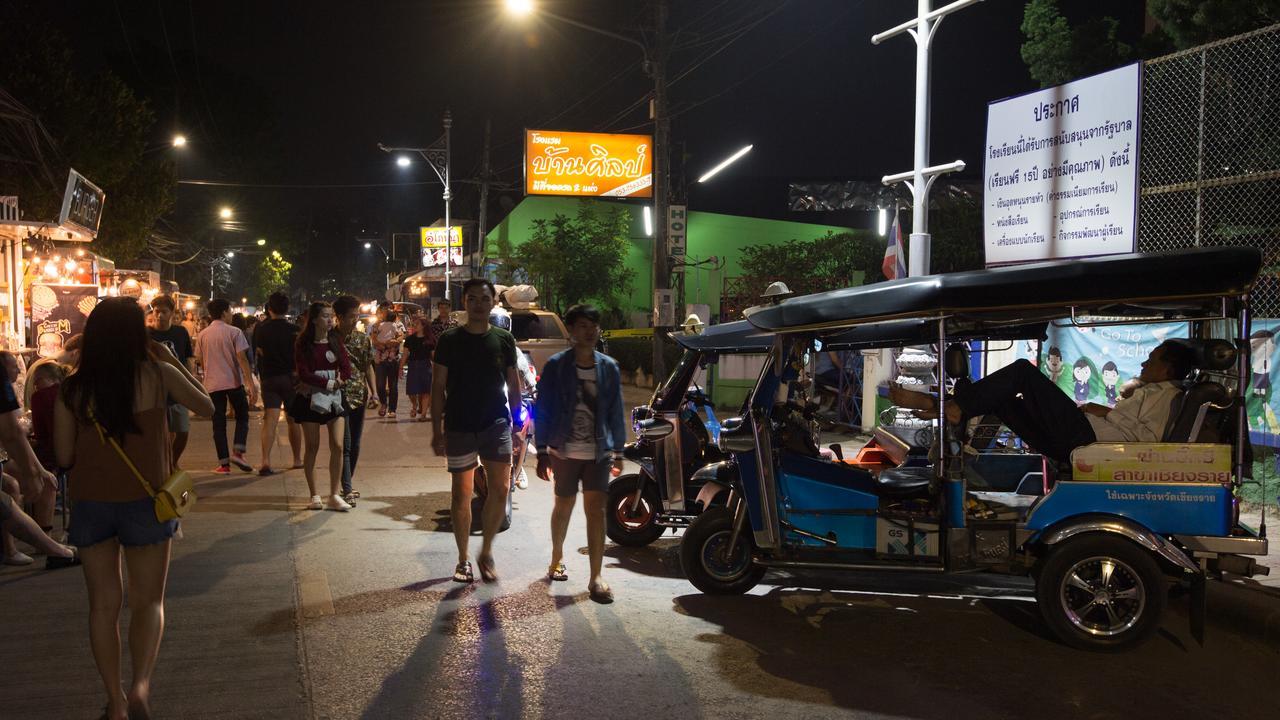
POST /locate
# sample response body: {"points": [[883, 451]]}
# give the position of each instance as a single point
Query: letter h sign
{"points": [[677, 218]]}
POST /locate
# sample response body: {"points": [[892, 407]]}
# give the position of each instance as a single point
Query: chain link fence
{"points": [[1210, 165]]}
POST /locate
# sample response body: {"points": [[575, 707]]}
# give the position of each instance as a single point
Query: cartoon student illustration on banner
{"points": [[1262, 348], [1082, 373], [1053, 363], [1110, 379]]}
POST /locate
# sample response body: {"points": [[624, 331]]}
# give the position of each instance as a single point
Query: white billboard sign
{"points": [[1061, 170]]}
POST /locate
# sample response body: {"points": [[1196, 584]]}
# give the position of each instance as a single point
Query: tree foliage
{"points": [[832, 261], [1056, 52], [1187, 23], [577, 259], [101, 129], [270, 274]]}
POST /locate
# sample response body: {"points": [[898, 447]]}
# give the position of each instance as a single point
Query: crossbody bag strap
{"points": [[102, 435]]}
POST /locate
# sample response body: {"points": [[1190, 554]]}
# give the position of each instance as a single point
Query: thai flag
{"points": [[894, 265]]}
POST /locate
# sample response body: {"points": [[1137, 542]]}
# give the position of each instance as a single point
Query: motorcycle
{"points": [[642, 505]]}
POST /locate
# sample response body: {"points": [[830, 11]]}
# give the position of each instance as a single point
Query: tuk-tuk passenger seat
{"points": [[1198, 414]]}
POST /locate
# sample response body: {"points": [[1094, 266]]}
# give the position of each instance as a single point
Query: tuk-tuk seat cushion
{"points": [[906, 480], [1187, 409]]}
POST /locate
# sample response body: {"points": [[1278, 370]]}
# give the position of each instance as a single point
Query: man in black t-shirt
{"points": [[273, 342], [176, 338], [474, 386]]}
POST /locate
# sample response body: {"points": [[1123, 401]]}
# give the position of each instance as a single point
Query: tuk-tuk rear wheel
{"points": [[628, 527], [702, 555], [1101, 593]]}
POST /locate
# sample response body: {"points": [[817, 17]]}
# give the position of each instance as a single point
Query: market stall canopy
{"points": [[743, 337], [1139, 284]]}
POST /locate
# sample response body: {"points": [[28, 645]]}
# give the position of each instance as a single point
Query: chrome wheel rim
{"points": [[1102, 596]]}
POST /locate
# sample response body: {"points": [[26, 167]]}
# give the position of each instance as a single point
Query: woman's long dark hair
{"points": [[302, 346], [103, 385]]}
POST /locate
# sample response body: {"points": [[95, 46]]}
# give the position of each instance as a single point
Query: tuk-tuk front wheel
{"points": [[1101, 593], [705, 559], [627, 523]]}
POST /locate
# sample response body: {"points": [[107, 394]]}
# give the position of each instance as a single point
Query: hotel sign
{"points": [[588, 164]]}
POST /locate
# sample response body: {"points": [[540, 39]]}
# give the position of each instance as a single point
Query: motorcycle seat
{"points": [[907, 480]]}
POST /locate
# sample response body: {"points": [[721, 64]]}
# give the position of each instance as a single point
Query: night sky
{"points": [[294, 92]]}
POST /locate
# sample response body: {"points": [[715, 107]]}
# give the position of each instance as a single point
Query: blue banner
{"points": [[1092, 364], [1260, 399]]}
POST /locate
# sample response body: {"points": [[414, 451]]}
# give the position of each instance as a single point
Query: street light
{"points": [[727, 162], [654, 65], [438, 156], [403, 161], [225, 213], [179, 140], [231, 253], [519, 8], [262, 241], [386, 260], [368, 245]]}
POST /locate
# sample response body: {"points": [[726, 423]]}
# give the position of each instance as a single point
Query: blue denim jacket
{"points": [[557, 395]]}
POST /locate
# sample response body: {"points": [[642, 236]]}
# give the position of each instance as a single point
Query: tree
{"points": [[806, 266], [578, 259], [100, 128], [1187, 23], [270, 274], [1055, 52]]}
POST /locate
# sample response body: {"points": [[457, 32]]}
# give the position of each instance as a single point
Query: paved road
{"points": [[278, 612]]}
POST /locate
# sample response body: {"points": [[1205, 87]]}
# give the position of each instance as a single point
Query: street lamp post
{"points": [[655, 67], [386, 262], [438, 156]]}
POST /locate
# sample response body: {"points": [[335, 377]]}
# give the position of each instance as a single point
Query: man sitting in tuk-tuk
{"points": [[1035, 409]]}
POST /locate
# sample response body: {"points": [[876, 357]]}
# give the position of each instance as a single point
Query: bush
{"points": [[637, 352]]}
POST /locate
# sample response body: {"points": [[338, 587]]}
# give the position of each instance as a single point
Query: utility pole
{"points": [[448, 196], [661, 178], [920, 179], [483, 219]]}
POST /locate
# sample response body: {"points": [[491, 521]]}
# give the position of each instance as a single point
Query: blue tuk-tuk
{"points": [[1102, 536]]}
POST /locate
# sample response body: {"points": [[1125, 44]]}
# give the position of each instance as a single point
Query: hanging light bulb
{"points": [[51, 269]]}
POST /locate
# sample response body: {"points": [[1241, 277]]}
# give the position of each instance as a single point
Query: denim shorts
{"points": [[465, 450], [593, 475], [133, 523]]}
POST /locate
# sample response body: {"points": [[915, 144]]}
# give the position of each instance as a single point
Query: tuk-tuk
{"points": [[1101, 536]]}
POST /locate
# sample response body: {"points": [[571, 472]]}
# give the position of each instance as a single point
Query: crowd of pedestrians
{"points": [[113, 412]]}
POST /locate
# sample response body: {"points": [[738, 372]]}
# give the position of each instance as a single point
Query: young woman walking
{"points": [[118, 397], [417, 358], [323, 368]]}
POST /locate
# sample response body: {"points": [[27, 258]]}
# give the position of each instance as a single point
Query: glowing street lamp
{"points": [[403, 161], [231, 253], [179, 140], [727, 162], [225, 213], [519, 8], [262, 241], [368, 246]]}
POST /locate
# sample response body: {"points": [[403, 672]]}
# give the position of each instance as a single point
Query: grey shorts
{"points": [[277, 391], [179, 418], [133, 523], [465, 450], [592, 474]]}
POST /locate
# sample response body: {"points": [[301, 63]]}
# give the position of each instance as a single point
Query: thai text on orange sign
{"points": [[588, 164]]}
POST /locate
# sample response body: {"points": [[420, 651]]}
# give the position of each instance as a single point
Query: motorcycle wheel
{"points": [[1101, 593], [701, 555], [622, 525]]}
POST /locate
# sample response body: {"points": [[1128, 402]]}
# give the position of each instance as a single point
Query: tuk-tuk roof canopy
{"points": [[743, 337], [1114, 285]]}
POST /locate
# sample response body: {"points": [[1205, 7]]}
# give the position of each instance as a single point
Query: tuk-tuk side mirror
{"points": [[654, 428]]}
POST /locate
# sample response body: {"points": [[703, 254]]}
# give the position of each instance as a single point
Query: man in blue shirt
{"points": [[580, 431]]}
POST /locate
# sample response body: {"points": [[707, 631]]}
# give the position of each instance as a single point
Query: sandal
{"points": [[602, 594], [462, 573], [487, 572], [558, 573], [354, 493], [55, 562]]}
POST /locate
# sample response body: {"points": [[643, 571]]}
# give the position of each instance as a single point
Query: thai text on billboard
{"points": [[588, 164], [1061, 170], [440, 245]]}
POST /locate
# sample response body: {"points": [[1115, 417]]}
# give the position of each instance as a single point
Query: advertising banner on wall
{"points": [[1091, 364], [58, 312], [441, 243], [588, 164], [1061, 170], [1262, 402]]}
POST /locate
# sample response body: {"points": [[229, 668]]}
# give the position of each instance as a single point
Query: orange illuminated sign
{"points": [[588, 164]]}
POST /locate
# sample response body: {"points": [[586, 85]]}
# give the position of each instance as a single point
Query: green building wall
{"points": [[723, 236]]}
